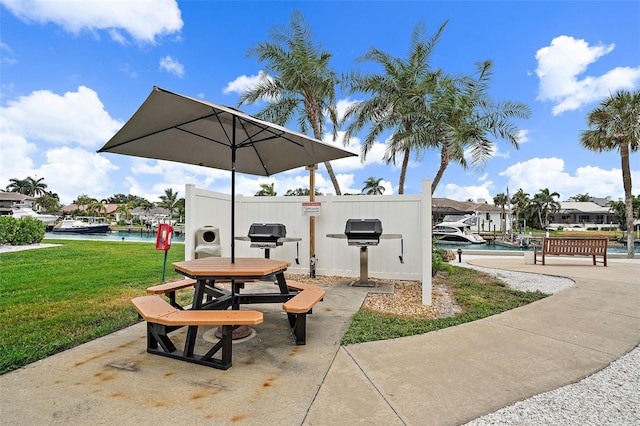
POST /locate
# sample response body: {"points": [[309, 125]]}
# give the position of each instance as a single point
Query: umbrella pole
{"points": [[233, 191]]}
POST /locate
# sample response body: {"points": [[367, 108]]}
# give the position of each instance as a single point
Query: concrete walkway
{"points": [[445, 377]]}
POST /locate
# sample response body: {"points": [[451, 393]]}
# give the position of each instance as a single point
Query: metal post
{"points": [[364, 265], [459, 255]]}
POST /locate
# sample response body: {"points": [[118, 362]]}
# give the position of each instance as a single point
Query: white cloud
{"points": [[144, 20], [74, 171], [523, 136], [342, 106], [15, 157], [172, 66], [74, 118], [244, 83], [561, 63], [463, 193], [539, 173]]}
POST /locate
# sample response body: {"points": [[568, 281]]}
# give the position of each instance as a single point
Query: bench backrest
{"points": [[575, 245]]}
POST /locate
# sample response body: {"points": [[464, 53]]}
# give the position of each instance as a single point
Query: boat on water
{"points": [[76, 226], [456, 229], [20, 210]]}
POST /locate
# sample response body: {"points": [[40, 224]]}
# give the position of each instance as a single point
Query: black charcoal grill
{"points": [[363, 232]]}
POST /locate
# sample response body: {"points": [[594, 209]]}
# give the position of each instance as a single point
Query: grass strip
{"points": [[479, 295], [53, 299]]}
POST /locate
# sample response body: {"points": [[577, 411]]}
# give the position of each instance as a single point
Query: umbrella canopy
{"points": [[173, 127]]}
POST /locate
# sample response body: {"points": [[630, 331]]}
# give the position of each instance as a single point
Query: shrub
{"points": [[18, 232], [439, 260]]}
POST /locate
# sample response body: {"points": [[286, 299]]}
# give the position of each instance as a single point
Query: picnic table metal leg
{"points": [[282, 283], [190, 341]]}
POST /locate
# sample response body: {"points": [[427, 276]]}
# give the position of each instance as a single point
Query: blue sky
{"points": [[73, 72]]}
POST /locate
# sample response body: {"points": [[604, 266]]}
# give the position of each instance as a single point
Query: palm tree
{"points": [[267, 190], [520, 201], [299, 83], [36, 186], [20, 186], [83, 201], [372, 186], [581, 197], [48, 202], [397, 98], [615, 126], [168, 200], [501, 200], [462, 117], [124, 210], [97, 207], [545, 203]]}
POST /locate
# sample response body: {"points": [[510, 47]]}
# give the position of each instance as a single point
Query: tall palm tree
{"points": [[545, 202], [397, 97], [502, 200], [372, 186], [168, 200], [520, 201], [300, 84], [267, 190], [463, 118], [615, 126]]}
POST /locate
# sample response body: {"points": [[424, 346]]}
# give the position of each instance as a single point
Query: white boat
{"points": [[75, 226], [456, 229], [21, 210]]}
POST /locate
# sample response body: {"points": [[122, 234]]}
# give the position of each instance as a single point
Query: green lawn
{"points": [[55, 298]]}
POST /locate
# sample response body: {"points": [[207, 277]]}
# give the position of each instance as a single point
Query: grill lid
{"points": [[266, 235], [363, 231]]}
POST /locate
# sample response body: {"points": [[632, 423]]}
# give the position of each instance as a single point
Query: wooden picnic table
{"points": [[211, 304]]}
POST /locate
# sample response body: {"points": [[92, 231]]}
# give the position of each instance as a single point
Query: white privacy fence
{"points": [[408, 215]]}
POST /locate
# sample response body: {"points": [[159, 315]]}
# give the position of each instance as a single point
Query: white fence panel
{"points": [[399, 214]]}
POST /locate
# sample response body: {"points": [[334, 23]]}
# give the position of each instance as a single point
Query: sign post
{"points": [[163, 242]]}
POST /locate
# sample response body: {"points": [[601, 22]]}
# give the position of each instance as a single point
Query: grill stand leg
{"points": [[364, 269]]}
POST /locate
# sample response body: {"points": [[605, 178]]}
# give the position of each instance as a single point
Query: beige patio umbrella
{"points": [[169, 126]]}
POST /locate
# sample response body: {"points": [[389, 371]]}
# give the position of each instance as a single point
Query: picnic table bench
{"points": [[574, 246], [299, 306], [162, 319]]}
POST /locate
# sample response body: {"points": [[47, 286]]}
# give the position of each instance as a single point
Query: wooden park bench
{"points": [[162, 319], [574, 246], [299, 306]]}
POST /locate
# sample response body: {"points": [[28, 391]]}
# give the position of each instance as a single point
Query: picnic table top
{"points": [[222, 266]]}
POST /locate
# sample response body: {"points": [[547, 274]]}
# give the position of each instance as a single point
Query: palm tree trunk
{"points": [[444, 162], [628, 205], [313, 118], [403, 170], [332, 176]]}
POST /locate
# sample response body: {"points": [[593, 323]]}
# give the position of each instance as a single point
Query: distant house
{"points": [[583, 213], [110, 210], [153, 216], [489, 216], [8, 199]]}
